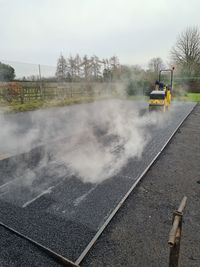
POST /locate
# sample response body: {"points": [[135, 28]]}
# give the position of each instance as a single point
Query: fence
{"points": [[39, 82], [29, 91]]}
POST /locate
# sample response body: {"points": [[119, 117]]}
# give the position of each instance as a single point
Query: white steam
{"points": [[93, 141], [111, 134]]}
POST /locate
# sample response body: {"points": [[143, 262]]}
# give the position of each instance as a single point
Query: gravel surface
{"points": [[138, 233], [71, 212], [16, 252]]}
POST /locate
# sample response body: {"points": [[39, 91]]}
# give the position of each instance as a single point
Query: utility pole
{"points": [[40, 80]]}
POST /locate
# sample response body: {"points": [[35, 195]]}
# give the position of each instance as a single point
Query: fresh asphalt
{"points": [[67, 213]]}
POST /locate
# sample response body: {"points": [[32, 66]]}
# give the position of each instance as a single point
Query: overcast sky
{"points": [[37, 31]]}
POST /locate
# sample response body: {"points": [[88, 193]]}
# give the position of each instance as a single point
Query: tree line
{"points": [[7, 72], [184, 56], [88, 69], [73, 69]]}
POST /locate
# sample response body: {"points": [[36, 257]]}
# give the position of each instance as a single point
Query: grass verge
{"points": [[194, 97], [39, 104]]}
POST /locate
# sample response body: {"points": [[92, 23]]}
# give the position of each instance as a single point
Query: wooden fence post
{"points": [[175, 235]]}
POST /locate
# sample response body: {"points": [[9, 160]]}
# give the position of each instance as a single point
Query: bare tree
{"points": [[96, 67], [186, 52], [72, 67], [107, 76], [86, 68], [115, 67], [156, 64], [61, 70], [77, 62]]}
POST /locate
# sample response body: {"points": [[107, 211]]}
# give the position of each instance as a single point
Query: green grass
{"points": [[39, 104], [16, 107], [42, 104], [195, 97]]}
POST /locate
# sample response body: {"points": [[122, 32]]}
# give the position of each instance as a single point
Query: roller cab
{"points": [[160, 97]]}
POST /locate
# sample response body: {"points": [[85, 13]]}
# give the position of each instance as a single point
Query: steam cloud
{"points": [[92, 141]]}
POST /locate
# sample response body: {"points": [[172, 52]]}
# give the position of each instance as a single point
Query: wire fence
{"points": [[28, 91], [39, 82], [31, 72]]}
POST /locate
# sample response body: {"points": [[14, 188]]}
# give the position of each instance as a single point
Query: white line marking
{"points": [[3, 185], [78, 200], [47, 191]]}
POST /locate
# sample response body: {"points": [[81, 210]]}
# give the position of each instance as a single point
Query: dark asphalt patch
{"points": [[67, 217]]}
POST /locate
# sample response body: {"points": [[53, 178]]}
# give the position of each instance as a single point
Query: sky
{"points": [[37, 31]]}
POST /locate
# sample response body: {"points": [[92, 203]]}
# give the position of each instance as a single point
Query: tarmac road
{"points": [[139, 232], [65, 213]]}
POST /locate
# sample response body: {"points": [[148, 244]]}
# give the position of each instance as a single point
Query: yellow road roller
{"points": [[160, 97]]}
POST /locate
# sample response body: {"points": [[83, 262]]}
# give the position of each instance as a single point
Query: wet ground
{"points": [[45, 201]]}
